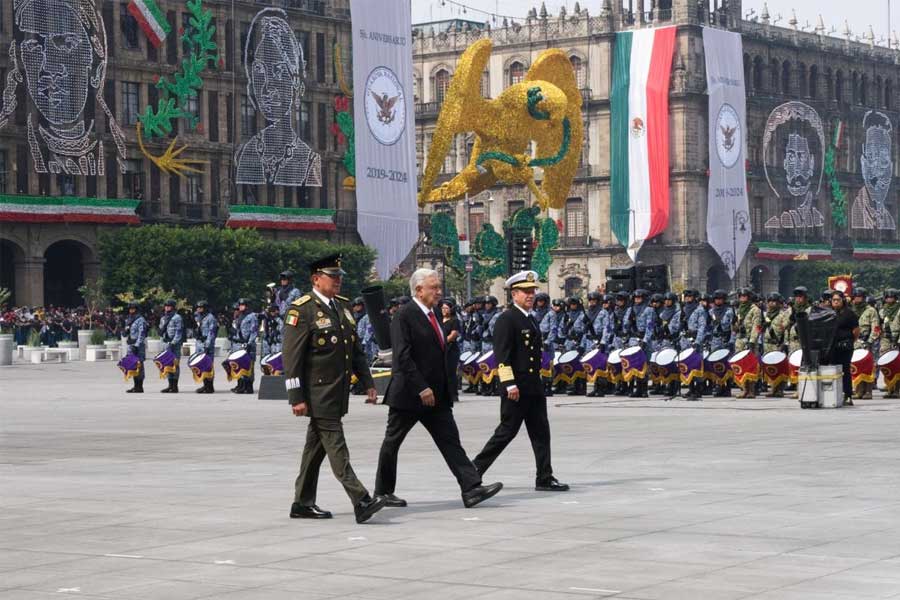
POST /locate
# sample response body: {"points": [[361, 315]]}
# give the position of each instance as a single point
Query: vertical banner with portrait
{"points": [[869, 210], [384, 128], [727, 214]]}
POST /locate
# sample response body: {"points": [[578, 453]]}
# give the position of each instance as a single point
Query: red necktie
{"points": [[437, 330]]}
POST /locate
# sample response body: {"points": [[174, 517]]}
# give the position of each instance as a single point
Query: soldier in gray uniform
{"points": [[171, 328], [271, 330], [488, 320], [600, 326], [205, 334], [245, 332], [137, 343], [694, 335], [550, 335], [286, 293], [640, 321], [721, 316]]}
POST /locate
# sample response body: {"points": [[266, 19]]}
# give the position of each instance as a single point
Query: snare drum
{"points": [[568, 368], [487, 366], [614, 366], [716, 367], [776, 368], [166, 362], [238, 364], [470, 369], [690, 365], [130, 365], [594, 364], [547, 363], [794, 362], [634, 363], [272, 364], [862, 367], [744, 367], [889, 365], [201, 365], [667, 366], [655, 375]]}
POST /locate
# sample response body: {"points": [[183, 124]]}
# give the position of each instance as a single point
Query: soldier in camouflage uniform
{"points": [[869, 335], [890, 330], [721, 316], [746, 327], [776, 321]]}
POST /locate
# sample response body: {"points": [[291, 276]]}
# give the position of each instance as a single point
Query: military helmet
{"points": [[594, 296], [720, 294], [134, 305], [403, 300], [800, 290], [657, 298], [860, 292], [691, 292], [890, 293], [170, 302], [640, 293], [826, 294], [286, 274], [490, 300], [274, 307], [358, 300], [671, 296], [394, 301], [774, 297], [608, 298], [573, 300], [707, 297], [559, 303], [622, 296], [745, 291], [201, 304], [542, 296], [243, 301]]}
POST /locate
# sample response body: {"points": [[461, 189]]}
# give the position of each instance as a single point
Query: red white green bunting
{"points": [[876, 251], [273, 217], [40, 209], [775, 251], [151, 19]]}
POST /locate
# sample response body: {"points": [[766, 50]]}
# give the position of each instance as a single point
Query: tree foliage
{"points": [[873, 275], [218, 265]]}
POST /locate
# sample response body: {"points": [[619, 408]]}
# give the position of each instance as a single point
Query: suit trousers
{"points": [[532, 409], [443, 430], [325, 437]]}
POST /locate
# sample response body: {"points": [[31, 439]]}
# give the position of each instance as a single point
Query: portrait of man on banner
{"points": [[798, 127], [61, 60], [276, 70], [877, 168]]}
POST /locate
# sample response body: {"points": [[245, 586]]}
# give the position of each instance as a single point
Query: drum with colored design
{"points": [[862, 367], [547, 363], [166, 362], [889, 365], [654, 368], [744, 367], [716, 367], [470, 368], [594, 364], [568, 368], [667, 366], [634, 363], [237, 365], [272, 364], [776, 368], [690, 365], [795, 360], [614, 366], [487, 366], [201, 365], [130, 365]]}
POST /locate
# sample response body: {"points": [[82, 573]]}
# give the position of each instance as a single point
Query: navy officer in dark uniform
{"points": [[517, 346]]}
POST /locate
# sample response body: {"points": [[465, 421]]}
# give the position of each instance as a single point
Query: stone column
{"points": [[30, 281]]}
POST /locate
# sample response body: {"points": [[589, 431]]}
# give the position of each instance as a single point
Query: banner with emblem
{"points": [[727, 213], [384, 129]]}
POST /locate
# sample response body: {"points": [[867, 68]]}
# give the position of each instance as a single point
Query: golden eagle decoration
{"points": [[544, 108]]}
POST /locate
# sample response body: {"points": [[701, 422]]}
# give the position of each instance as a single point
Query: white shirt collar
{"points": [[424, 308], [524, 312], [325, 300]]}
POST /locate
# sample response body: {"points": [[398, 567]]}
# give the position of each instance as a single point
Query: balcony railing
{"points": [[573, 241]]}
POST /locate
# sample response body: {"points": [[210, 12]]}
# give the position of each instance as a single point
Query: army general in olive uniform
{"points": [[320, 353]]}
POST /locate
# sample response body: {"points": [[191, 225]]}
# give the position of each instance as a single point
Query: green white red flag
{"points": [[151, 19]]}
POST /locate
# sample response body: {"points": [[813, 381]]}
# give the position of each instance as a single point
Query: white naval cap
{"points": [[523, 280]]}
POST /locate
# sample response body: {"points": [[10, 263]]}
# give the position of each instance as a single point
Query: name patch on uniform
{"points": [[292, 318], [323, 323]]}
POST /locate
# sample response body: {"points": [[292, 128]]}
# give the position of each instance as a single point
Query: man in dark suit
{"points": [[420, 391], [517, 348], [320, 353]]}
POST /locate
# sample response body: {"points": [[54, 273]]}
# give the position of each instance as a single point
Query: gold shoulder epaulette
{"points": [[301, 300], [342, 298]]}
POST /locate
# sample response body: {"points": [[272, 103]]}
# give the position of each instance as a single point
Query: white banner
{"points": [[384, 127], [728, 212]]}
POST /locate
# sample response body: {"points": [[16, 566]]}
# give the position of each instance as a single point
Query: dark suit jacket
{"points": [[517, 348], [418, 363]]}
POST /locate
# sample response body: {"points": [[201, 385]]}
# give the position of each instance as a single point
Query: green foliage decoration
{"points": [[838, 199]]}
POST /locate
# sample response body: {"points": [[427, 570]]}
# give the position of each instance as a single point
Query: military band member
{"points": [[695, 333], [869, 335], [321, 352], [246, 328], [800, 304], [171, 328], [286, 292], [550, 334], [206, 333], [617, 332], [270, 330], [489, 319], [668, 330], [747, 327], [721, 316], [640, 322], [577, 331], [541, 306], [600, 326], [690, 303], [776, 321], [137, 343], [517, 346]]}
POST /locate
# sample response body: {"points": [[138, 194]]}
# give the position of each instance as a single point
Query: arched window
{"points": [[854, 88], [486, 84], [774, 75], [441, 83], [888, 95], [786, 78], [575, 225], [748, 73], [758, 74], [580, 71], [839, 86], [801, 79], [878, 89], [516, 73], [829, 84], [864, 89], [813, 82]]}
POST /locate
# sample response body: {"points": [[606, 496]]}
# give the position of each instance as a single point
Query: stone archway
{"points": [[12, 257], [68, 264], [717, 278]]}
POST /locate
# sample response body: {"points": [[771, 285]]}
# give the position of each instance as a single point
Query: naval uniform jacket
{"points": [[517, 347]]}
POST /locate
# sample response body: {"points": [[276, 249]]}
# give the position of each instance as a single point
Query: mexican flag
{"points": [[639, 203], [274, 217], [151, 19], [67, 209]]}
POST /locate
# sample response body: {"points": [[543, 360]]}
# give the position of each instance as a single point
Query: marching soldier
{"points": [[668, 330], [321, 352], [617, 331], [270, 330], [600, 326], [171, 327], [205, 334], [776, 321], [721, 317], [137, 327], [694, 335], [890, 308], [286, 293], [245, 332], [869, 334], [517, 344], [641, 325], [746, 327]]}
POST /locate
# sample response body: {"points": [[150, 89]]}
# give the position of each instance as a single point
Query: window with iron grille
{"points": [[575, 218], [580, 71], [194, 189], [128, 26], [441, 84], [130, 99], [133, 179], [516, 73], [476, 220], [248, 117]]}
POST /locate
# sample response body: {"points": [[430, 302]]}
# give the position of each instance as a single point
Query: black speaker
{"points": [[653, 278], [620, 273], [373, 298], [619, 285]]}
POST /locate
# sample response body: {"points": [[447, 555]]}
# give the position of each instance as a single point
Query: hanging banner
{"points": [[384, 128], [639, 143], [727, 214]]}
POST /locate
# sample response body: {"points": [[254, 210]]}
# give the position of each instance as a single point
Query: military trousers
{"points": [[325, 437], [530, 409]]}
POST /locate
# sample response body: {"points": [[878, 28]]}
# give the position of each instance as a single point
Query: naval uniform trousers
{"points": [[532, 410]]}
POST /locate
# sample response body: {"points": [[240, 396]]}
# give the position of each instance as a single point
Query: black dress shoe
{"points": [[367, 507], [481, 493], [393, 501], [551, 485], [298, 511]]}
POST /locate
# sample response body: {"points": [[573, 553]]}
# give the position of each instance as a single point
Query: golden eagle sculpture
{"points": [[544, 108]]}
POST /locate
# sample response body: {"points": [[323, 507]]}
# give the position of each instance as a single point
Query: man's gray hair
{"points": [[419, 276]]}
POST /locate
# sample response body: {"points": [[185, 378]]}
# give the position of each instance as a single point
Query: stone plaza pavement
{"points": [[108, 495]]}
